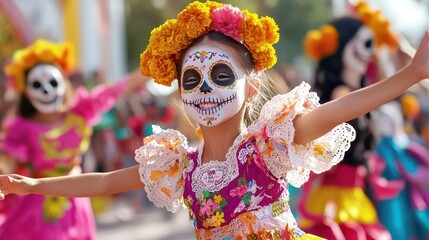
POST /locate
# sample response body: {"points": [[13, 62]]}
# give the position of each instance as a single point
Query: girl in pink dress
{"points": [[47, 137], [234, 184]]}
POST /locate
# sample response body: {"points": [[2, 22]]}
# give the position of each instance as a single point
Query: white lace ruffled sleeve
{"points": [[162, 161], [274, 133]]}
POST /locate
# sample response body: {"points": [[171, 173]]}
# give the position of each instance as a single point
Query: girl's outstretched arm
{"points": [[83, 185], [324, 118]]}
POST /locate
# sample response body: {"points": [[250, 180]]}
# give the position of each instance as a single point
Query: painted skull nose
{"points": [[205, 88], [45, 91]]}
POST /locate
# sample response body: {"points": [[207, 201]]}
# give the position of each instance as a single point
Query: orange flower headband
{"points": [[159, 60], [41, 51], [321, 43], [379, 25]]}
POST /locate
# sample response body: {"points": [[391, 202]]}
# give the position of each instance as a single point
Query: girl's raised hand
{"points": [[16, 184], [420, 61]]}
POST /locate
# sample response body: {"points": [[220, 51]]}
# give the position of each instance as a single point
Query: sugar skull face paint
{"points": [[45, 88], [212, 85], [359, 51]]}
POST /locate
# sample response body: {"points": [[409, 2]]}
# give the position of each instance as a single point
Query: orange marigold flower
{"points": [[195, 19], [213, 5], [252, 30], [329, 39], [162, 39], [271, 30], [265, 57], [165, 69]]}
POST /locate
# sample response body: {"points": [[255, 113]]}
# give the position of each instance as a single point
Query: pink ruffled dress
{"points": [[53, 150], [246, 195]]}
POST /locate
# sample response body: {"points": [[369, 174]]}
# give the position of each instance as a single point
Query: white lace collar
{"points": [[215, 175]]}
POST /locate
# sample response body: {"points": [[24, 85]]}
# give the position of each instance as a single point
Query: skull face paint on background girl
{"points": [[212, 85], [45, 88], [357, 55]]}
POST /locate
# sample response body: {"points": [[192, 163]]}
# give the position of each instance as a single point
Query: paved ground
{"points": [[120, 223]]}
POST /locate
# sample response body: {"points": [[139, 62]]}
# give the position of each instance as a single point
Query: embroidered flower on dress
{"points": [[218, 219], [211, 205]]}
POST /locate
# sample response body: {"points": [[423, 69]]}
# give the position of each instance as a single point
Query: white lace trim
{"points": [[215, 175], [162, 163], [292, 161]]}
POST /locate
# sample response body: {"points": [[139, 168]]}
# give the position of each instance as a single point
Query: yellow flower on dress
{"points": [[54, 207], [218, 219], [218, 199]]}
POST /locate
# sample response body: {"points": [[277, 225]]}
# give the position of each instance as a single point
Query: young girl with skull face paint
{"points": [[337, 206], [234, 183], [46, 138]]}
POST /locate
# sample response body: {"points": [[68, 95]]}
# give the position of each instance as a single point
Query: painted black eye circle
{"points": [[369, 43], [191, 79], [222, 75], [53, 83], [36, 85]]}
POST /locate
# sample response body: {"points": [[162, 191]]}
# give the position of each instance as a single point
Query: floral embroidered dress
{"points": [[53, 150], [245, 196]]}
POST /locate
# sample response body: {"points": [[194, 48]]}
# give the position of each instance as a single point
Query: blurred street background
{"points": [[109, 36]]}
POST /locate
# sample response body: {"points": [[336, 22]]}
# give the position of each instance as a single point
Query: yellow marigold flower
{"points": [[165, 69], [162, 40], [265, 57], [213, 5], [252, 30], [271, 30]]}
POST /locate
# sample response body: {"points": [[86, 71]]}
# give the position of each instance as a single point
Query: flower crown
{"points": [[159, 60], [379, 25], [41, 51], [323, 42]]}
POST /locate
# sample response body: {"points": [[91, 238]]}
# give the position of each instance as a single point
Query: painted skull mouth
{"points": [[360, 57], [208, 106], [54, 99]]}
